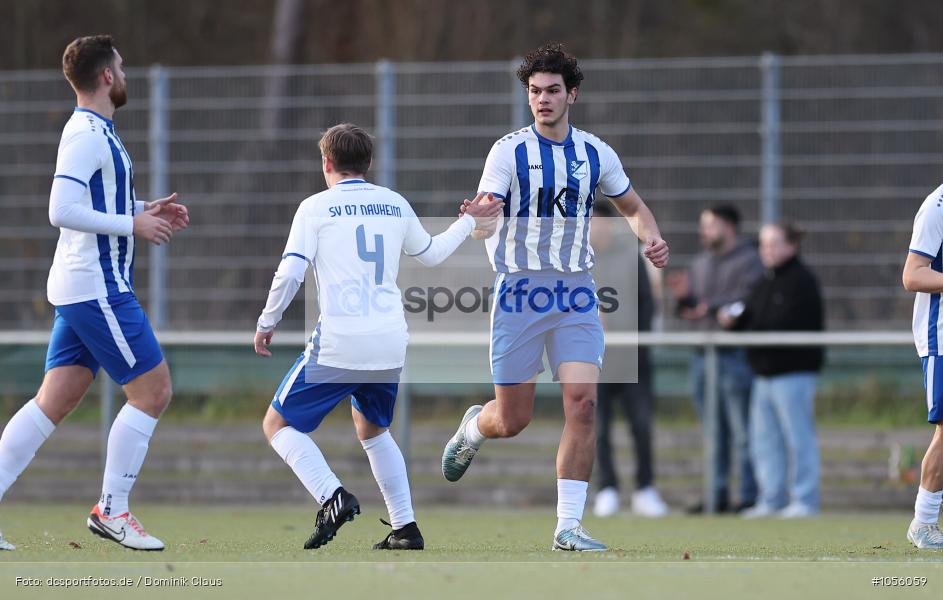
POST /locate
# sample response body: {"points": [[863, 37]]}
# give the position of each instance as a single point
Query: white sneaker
{"points": [[797, 511], [5, 545], [646, 502], [925, 536], [123, 529], [607, 502], [577, 540], [759, 511]]}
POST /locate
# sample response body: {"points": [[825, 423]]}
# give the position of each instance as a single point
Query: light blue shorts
{"points": [[535, 311]]}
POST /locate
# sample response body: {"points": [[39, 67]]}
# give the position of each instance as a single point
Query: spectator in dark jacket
{"points": [[782, 413], [723, 273]]}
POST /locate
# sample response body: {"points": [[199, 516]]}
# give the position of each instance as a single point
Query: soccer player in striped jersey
{"points": [[923, 273], [98, 320], [353, 234], [549, 174]]}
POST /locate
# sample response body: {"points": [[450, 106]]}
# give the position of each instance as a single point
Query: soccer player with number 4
{"points": [[549, 175], [353, 234]]}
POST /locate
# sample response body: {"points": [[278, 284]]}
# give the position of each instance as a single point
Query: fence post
{"points": [[710, 426], [386, 123], [159, 158], [518, 97], [386, 176], [770, 176]]}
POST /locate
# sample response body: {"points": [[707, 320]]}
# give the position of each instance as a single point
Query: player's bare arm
{"points": [[631, 206], [919, 277]]}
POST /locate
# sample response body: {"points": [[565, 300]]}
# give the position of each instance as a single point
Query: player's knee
{"points": [[58, 406], [580, 408], [163, 392], [272, 422]]}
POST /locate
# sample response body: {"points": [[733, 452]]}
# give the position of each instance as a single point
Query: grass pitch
{"points": [[470, 553]]}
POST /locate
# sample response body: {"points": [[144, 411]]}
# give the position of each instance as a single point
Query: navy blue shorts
{"points": [[113, 333], [310, 391], [535, 311]]}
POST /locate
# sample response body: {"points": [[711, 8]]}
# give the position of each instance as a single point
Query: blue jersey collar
{"points": [[351, 181], [85, 110], [566, 142]]}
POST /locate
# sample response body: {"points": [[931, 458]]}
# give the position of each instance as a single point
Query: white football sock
{"points": [[304, 457], [927, 507], [389, 469], [127, 446], [24, 434], [571, 499], [472, 433]]}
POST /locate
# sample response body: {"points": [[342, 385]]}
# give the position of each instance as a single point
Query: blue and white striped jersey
{"points": [[927, 240], [88, 266], [549, 188]]}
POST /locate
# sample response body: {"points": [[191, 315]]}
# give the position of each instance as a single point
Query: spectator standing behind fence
{"points": [[723, 274], [635, 400], [783, 442]]}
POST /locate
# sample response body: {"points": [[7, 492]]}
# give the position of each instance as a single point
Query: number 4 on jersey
{"points": [[375, 257]]}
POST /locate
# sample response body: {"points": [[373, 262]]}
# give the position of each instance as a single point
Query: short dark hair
{"points": [[551, 58], [84, 60], [349, 147], [791, 232], [727, 213]]}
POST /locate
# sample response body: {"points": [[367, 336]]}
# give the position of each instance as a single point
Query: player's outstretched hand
{"points": [[485, 210], [656, 250], [151, 227], [171, 211], [262, 341]]}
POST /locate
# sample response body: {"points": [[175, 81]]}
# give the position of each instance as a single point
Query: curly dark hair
{"points": [[551, 58]]}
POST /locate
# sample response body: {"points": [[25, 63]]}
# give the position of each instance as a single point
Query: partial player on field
{"points": [[550, 174], [98, 320], [353, 234], [923, 273]]}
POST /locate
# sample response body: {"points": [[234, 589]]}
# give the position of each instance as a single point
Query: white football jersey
{"points": [[549, 188], [88, 266], [354, 234], [927, 241]]}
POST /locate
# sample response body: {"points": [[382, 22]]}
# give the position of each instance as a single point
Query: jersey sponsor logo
{"points": [[546, 201], [535, 167]]}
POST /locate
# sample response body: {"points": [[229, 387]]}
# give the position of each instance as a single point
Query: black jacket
{"points": [[786, 299]]}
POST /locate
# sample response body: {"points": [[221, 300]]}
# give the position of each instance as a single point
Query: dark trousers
{"points": [[637, 403]]}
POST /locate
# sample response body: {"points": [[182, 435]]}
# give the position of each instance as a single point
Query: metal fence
{"points": [[847, 146]]}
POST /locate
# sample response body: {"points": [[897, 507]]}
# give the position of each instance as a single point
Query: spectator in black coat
{"points": [[783, 440]]}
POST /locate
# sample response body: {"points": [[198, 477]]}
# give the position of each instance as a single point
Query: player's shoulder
{"points": [[85, 122], [314, 201], [581, 135], [509, 141], [935, 197], [932, 205]]}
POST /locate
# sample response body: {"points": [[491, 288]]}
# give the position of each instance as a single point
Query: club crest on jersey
{"points": [[578, 169]]}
